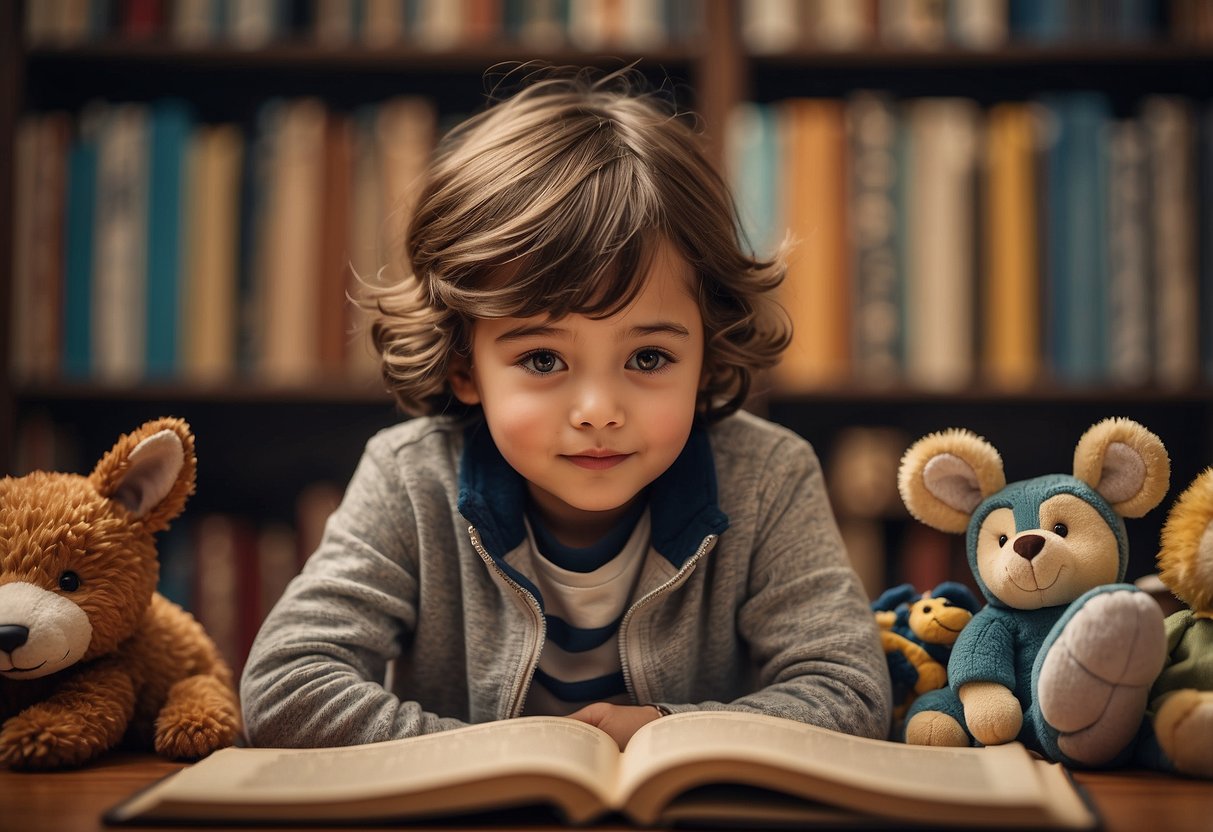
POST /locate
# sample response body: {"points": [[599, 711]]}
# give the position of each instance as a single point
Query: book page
{"points": [[875, 777], [375, 779]]}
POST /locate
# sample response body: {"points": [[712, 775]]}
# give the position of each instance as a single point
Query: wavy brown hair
{"points": [[553, 202]]}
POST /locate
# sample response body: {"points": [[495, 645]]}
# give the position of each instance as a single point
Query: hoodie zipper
{"points": [[518, 695], [706, 546]]}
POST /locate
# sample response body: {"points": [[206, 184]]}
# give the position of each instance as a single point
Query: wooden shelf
{"points": [[241, 391]]}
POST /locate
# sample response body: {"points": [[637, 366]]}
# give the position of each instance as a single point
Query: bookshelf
{"points": [[261, 441]]}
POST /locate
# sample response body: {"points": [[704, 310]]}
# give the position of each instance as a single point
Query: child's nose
{"points": [[596, 406]]}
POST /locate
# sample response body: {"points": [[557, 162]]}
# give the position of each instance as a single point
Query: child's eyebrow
{"points": [[519, 333], [660, 328]]}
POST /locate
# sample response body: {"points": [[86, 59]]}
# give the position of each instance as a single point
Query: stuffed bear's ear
{"points": [[1125, 463], [1185, 559], [944, 476], [150, 471]]}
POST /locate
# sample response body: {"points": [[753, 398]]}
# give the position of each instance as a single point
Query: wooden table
{"points": [[74, 801]]}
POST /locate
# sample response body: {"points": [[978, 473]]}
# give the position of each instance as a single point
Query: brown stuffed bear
{"points": [[90, 653]]}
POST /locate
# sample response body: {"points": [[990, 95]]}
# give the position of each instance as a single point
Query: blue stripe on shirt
{"points": [[572, 639], [587, 690]]}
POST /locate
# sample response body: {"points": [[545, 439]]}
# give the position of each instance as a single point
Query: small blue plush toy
{"points": [[917, 631], [1063, 655]]}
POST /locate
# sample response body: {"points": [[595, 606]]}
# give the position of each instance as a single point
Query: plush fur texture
{"points": [[1062, 656], [1182, 697], [917, 631], [90, 655]]}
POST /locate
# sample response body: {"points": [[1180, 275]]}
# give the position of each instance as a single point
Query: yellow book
{"points": [[1011, 307], [210, 310], [816, 292], [692, 768]]}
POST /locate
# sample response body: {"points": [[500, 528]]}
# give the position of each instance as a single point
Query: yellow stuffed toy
{"points": [[1181, 700], [90, 654]]}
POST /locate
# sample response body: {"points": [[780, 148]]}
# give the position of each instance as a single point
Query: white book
{"points": [[939, 243], [769, 26], [979, 24], [291, 263], [252, 23], [119, 318], [1170, 130], [439, 24], [1129, 291]]}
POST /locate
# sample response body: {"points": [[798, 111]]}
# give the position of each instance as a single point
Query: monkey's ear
{"points": [[945, 476], [1127, 464]]}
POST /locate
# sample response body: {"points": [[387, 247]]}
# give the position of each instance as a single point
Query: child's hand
{"points": [[620, 721]]}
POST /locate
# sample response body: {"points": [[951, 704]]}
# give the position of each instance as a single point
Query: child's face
{"points": [[592, 411]]}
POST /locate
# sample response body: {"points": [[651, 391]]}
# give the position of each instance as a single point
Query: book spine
{"points": [[873, 128], [78, 253], [1129, 293], [1010, 294], [168, 201], [817, 290], [120, 269], [1169, 126], [939, 283]]}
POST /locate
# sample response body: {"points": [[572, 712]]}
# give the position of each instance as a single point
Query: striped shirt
{"points": [[585, 594]]}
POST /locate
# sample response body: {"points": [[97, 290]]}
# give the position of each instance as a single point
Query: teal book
{"points": [[171, 124], [78, 258], [1077, 241], [754, 164]]}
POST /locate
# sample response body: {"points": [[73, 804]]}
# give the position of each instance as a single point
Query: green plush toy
{"points": [[1181, 701]]}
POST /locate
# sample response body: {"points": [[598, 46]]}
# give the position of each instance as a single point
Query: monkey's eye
{"points": [[69, 581]]}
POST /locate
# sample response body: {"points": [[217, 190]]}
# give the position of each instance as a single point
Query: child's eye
{"points": [[541, 362], [648, 360]]}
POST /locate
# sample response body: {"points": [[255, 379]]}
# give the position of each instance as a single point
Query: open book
{"points": [[722, 767]]}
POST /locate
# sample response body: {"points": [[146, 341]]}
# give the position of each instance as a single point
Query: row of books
{"points": [[774, 26], [426, 24], [939, 244], [150, 246]]}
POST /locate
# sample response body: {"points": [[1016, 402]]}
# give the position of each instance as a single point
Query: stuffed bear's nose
{"points": [[12, 636], [1029, 545]]}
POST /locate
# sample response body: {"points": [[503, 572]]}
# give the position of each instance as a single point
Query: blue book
{"points": [[171, 125], [1039, 21], [754, 164], [1077, 237], [78, 258]]}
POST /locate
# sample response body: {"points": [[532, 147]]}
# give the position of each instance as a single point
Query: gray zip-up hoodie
{"points": [[407, 620]]}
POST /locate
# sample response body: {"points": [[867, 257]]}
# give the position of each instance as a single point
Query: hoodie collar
{"points": [[682, 501]]}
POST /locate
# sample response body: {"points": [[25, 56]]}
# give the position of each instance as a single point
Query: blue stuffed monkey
{"points": [[917, 631], [1063, 655]]}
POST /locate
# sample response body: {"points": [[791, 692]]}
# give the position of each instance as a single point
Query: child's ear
{"points": [[463, 384]]}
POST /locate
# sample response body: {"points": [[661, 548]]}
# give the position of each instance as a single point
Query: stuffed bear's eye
{"points": [[1061, 530], [69, 581], [1002, 540]]}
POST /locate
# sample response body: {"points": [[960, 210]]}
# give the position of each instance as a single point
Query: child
{"points": [[588, 526]]}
